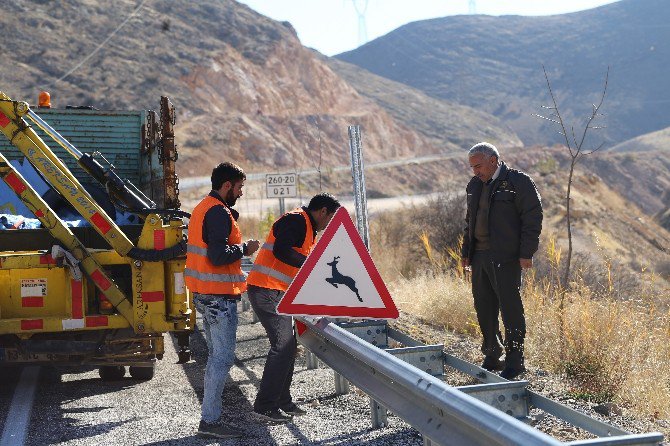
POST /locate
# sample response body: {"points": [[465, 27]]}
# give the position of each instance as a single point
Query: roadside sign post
{"points": [[358, 177], [281, 185]]}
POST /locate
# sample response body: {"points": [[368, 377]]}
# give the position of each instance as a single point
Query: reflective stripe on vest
{"points": [[212, 277], [192, 249], [201, 275], [270, 272]]}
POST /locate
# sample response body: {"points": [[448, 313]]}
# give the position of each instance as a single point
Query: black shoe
{"points": [[493, 364], [509, 373], [293, 410], [272, 416], [218, 430]]}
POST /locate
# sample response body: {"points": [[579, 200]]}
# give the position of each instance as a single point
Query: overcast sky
{"points": [[331, 26]]}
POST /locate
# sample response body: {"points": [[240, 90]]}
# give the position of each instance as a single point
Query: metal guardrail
{"points": [[443, 414], [511, 398], [407, 381]]}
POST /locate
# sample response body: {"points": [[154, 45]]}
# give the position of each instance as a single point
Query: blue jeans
{"points": [[219, 320]]}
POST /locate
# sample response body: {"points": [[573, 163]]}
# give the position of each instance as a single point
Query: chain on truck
{"points": [[92, 245]]}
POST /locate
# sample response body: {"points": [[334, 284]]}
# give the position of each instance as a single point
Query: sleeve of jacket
{"points": [[465, 249], [529, 205], [216, 231], [289, 232]]}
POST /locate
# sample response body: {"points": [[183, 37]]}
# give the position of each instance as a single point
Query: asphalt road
{"points": [[75, 407]]}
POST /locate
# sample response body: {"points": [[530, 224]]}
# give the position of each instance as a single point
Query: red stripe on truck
{"points": [[159, 239], [77, 303], [15, 183], [153, 296], [4, 120], [102, 224], [32, 324], [100, 280], [96, 321], [32, 302]]}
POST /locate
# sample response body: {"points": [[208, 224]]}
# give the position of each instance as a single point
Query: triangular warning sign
{"points": [[339, 278]]}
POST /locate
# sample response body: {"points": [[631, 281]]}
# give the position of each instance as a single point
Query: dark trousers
{"points": [[275, 389], [496, 288]]}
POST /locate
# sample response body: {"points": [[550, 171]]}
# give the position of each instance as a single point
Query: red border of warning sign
{"points": [[286, 306]]}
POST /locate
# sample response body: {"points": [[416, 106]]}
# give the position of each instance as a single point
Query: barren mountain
{"points": [[494, 64], [447, 124], [245, 88]]}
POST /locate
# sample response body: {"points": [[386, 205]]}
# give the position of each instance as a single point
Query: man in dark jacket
{"points": [[503, 225], [286, 248]]}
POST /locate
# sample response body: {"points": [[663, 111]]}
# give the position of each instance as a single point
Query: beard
{"points": [[230, 198]]}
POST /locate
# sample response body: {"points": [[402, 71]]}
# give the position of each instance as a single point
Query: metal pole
{"points": [[282, 206], [358, 175]]}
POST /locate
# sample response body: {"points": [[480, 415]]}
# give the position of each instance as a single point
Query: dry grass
{"points": [[607, 349]]}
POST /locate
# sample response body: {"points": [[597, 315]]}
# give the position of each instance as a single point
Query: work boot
{"points": [[509, 373], [493, 364], [218, 430], [293, 410]]}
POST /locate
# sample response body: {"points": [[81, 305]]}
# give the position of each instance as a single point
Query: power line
{"points": [[103, 43]]}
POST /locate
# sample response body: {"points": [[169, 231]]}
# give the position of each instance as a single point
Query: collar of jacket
{"points": [[215, 194]]}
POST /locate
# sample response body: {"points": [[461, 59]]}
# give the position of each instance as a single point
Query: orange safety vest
{"points": [[201, 276], [270, 272]]}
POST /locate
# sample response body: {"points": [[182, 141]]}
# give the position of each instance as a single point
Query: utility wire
{"points": [[83, 61]]}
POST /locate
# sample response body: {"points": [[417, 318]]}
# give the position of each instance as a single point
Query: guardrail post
{"points": [[378, 414], [312, 360], [341, 384]]}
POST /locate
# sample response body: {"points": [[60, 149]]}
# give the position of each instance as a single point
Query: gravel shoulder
{"points": [[541, 381], [74, 407]]}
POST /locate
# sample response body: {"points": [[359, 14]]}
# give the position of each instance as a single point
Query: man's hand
{"points": [[526, 263], [465, 262], [252, 246]]}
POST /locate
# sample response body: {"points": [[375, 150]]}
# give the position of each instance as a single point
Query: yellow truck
{"points": [[94, 273]]}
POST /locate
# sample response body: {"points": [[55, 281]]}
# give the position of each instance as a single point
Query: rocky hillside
{"points": [[244, 86], [494, 64], [447, 124]]}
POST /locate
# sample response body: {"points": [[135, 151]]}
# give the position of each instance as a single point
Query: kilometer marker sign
{"points": [[281, 185]]}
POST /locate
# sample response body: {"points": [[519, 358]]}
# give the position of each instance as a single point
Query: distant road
{"points": [[195, 182]]}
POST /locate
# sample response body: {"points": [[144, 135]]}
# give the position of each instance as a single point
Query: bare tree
{"points": [[575, 148]]}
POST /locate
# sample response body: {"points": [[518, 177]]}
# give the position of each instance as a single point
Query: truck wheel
{"points": [[112, 372], [142, 373]]}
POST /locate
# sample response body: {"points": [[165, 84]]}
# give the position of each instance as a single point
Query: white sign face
{"points": [[339, 278], [33, 287], [281, 185]]}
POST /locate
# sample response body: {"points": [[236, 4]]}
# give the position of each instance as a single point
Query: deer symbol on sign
{"points": [[339, 278]]}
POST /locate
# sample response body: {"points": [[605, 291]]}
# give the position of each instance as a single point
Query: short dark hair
{"points": [[323, 200], [226, 172]]}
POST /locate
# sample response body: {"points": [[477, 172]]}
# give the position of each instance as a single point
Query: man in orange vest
{"points": [[214, 276], [288, 244]]}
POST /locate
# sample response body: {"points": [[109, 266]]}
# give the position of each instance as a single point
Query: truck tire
{"points": [[112, 372], [141, 373]]}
